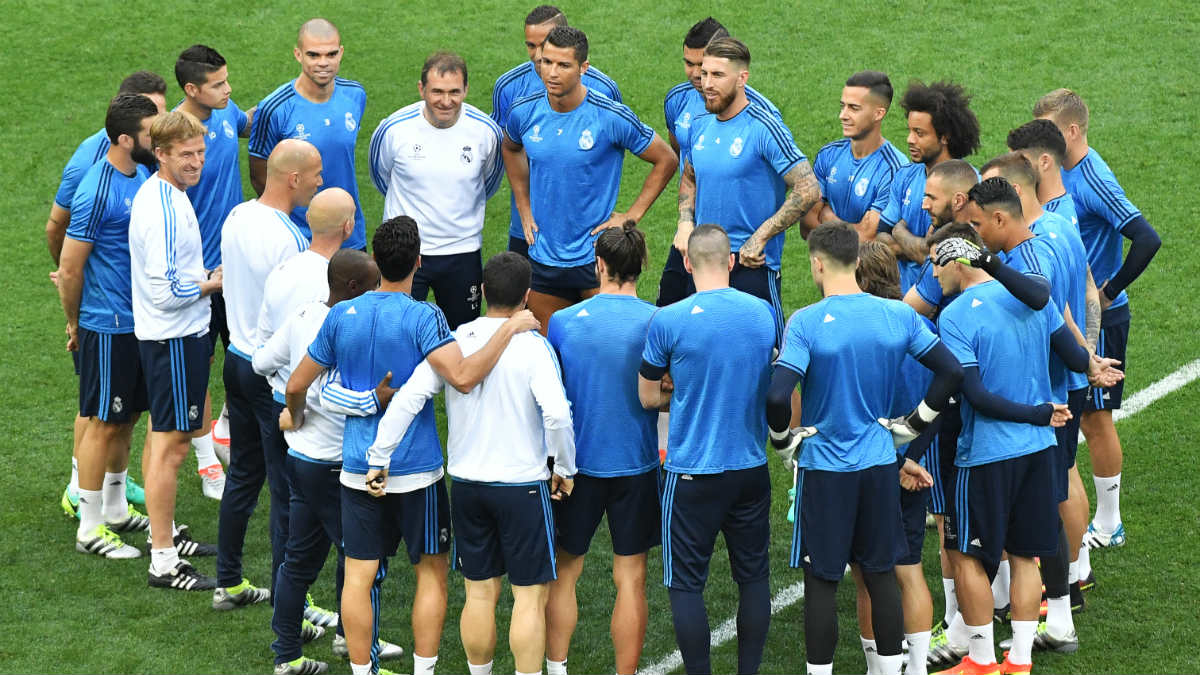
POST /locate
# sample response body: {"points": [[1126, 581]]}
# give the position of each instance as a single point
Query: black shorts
{"points": [[518, 245], [1114, 337], [631, 504], [456, 281], [111, 385], [372, 527], [1007, 505], [176, 372], [218, 324], [695, 507], [762, 282], [504, 528], [939, 459], [1068, 442], [846, 517], [567, 283]]}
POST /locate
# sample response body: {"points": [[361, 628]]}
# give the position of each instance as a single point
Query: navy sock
{"points": [[1055, 567], [886, 611], [820, 619], [691, 630], [753, 620]]}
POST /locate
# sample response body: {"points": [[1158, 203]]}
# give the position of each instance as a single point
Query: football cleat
{"points": [[212, 481], [1010, 668], [134, 521], [1001, 615], [182, 577], [319, 615], [387, 650], [1089, 583], [1043, 641], [1077, 602], [941, 652], [1097, 538], [242, 595], [188, 546], [970, 667], [70, 503], [310, 631], [105, 543], [301, 666]]}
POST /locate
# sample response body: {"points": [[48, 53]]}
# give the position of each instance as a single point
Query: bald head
{"points": [[291, 155], [708, 248], [320, 30], [351, 273], [329, 210]]}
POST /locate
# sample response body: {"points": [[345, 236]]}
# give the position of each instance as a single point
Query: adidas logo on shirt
{"points": [[583, 312], [828, 318], [697, 309], [976, 302], [352, 310]]}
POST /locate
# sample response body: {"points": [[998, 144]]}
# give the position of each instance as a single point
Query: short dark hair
{"points": [[505, 279], [195, 63], [143, 82], [835, 239], [703, 32], [442, 62], [125, 115], [996, 192], [948, 104], [396, 245], [1041, 135], [877, 82], [956, 172], [566, 37], [623, 250], [729, 48], [1014, 167], [877, 272], [955, 230], [543, 13], [350, 265]]}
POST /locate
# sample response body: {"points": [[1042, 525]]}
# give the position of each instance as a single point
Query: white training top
{"points": [[319, 438], [501, 430], [441, 178], [166, 263], [294, 283], [254, 239]]}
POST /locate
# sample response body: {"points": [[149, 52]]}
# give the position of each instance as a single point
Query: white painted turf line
{"points": [[794, 593]]}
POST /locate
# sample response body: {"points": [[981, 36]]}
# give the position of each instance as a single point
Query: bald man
{"points": [[717, 346], [320, 107], [257, 236]]}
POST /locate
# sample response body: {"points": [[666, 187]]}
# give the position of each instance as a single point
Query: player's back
{"points": [[718, 346], [1103, 210], [90, 151], [599, 342]]}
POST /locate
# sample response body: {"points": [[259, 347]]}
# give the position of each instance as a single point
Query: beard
{"points": [[721, 103], [143, 155]]}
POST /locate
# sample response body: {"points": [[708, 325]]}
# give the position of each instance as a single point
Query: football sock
{"points": [[958, 634], [1054, 569], [951, 600], [1108, 503], [423, 665], [891, 665], [365, 668], [982, 649], [1073, 573], [1059, 620], [536, 672], [691, 630], [556, 667], [205, 457], [1000, 586], [482, 669], [871, 654], [163, 560], [753, 621], [886, 612], [74, 484], [918, 652], [820, 618], [1022, 641], [90, 510], [823, 669], [1084, 563], [115, 506]]}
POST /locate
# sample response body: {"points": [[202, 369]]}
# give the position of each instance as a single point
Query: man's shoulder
{"points": [[892, 157], [513, 75], [833, 150], [350, 89], [679, 93], [278, 97], [476, 118]]}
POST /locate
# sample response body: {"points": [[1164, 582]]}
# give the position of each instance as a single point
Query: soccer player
{"points": [[941, 126], [383, 332], [96, 296], [743, 172], [89, 152], [716, 346], [599, 342], [1104, 212], [1005, 490], [563, 151], [318, 107], [525, 80], [503, 523], [315, 450], [257, 236], [848, 504], [945, 197], [438, 161], [1045, 147], [865, 159], [171, 316], [204, 78]]}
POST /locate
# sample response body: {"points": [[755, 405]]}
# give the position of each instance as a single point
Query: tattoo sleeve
{"points": [[803, 193], [687, 194], [1092, 312]]}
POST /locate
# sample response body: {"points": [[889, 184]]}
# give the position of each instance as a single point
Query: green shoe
{"points": [[301, 666], [70, 503], [319, 615], [134, 494]]}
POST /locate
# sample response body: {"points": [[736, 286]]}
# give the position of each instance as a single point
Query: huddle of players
{"points": [[756, 184]]}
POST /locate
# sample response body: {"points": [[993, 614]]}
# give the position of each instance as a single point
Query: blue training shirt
{"points": [[363, 339], [1064, 205], [929, 289], [90, 151], [1103, 211], [575, 163], [100, 216], [717, 347], [599, 343], [853, 186], [739, 165], [1010, 343], [850, 350], [220, 186], [331, 126], [1068, 288], [684, 104], [904, 203], [524, 81]]}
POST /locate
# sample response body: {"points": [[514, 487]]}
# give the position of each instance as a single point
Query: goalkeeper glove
{"points": [[962, 251], [905, 429], [787, 443]]}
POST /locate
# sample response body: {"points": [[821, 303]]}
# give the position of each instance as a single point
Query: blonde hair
{"points": [[877, 272], [1064, 106], [174, 127]]}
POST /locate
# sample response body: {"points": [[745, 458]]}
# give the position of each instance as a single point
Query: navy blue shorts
{"points": [[1007, 505], [939, 459], [1114, 337], [695, 507], [372, 527], [1068, 442], [218, 324], [846, 517], [504, 528], [456, 281], [631, 503], [518, 245], [913, 506], [111, 385], [762, 282], [567, 283], [176, 372]]}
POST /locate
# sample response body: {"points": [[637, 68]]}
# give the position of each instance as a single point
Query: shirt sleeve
{"points": [[87, 212], [630, 132], [957, 340], [493, 166], [240, 118], [883, 191], [323, 348], [266, 131], [545, 383], [380, 157], [275, 353], [421, 386], [920, 338], [514, 125], [821, 172], [928, 287], [1108, 197], [433, 332], [891, 213], [659, 341], [500, 103], [72, 173], [338, 398], [777, 146], [795, 354], [167, 289]]}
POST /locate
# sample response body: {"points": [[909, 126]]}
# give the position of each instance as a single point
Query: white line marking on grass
{"points": [[794, 593]]}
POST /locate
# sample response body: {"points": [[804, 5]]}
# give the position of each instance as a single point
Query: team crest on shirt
{"points": [[465, 157], [699, 144], [585, 140], [860, 188], [193, 413], [684, 121], [212, 135], [228, 129], [351, 125], [128, 203], [833, 175], [535, 137], [417, 151], [117, 404], [907, 195], [735, 148], [300, 133]]}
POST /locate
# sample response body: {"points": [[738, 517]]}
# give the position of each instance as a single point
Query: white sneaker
{"points": [[105, 543], [387, 650], [212, 481]]}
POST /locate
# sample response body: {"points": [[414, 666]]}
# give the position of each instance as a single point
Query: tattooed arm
{"points": [[1092, 316], [687, 208], [803, 193]]}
